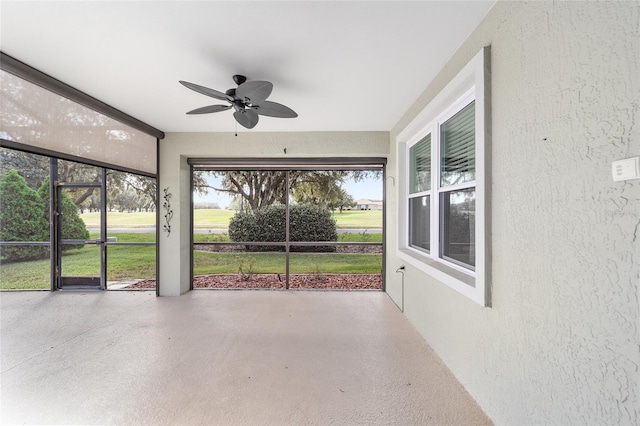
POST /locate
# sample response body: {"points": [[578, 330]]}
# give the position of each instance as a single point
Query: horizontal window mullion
{"points": [[419, 194], [465, 185]]}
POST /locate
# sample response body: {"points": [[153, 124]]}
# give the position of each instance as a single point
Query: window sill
{"points": [[457, 280]]}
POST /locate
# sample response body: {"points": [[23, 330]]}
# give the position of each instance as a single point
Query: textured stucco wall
{"points": [[176, 148], [561, 343]]}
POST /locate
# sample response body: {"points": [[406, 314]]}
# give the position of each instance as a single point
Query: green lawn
{"points": [[212, 218], [272, 263], [358, 219], [124, 262], [138, 262], [218, 218], [26, 275], [121, 220]]}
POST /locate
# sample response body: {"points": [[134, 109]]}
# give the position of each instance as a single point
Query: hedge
{"points": [[308, 222]]}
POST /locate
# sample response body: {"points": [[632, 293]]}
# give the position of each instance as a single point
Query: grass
{"points": [[347, 237], [138, 262], [130, 237], [274, 263], [212, 218], [124, 262], [26, 275], [358, 219], [218, 218], [361, 237], [121, 220]]}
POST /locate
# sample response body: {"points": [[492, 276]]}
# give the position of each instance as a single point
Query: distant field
{"points": [[121, 220], [218, 218], [358, 219], [212, 218]]}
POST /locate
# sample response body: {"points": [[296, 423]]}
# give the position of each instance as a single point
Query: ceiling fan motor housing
{"points": [[239, 79]]}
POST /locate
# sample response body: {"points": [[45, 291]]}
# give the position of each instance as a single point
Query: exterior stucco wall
{"points": [[176, 148], [560, 344]]}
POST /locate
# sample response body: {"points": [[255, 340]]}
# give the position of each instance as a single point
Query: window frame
{"points": [[419, 194], [471, 84]]}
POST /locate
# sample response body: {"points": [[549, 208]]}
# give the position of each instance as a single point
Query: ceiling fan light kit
{"points": [[249, 100]]}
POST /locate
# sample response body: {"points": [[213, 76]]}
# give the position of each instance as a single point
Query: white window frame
{"points": [[419, 194], [470, 84]]}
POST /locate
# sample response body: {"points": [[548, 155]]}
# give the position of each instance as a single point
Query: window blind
{"points": [[457, 139], [420, 163]]}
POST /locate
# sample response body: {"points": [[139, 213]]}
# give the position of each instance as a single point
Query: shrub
{"points": [[21, 219], [308, 222], [73, 227]]}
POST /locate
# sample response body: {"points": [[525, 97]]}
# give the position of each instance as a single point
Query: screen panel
{"points": [[34, 116]]}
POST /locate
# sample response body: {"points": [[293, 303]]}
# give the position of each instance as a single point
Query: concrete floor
{"points": [[220, 357]]}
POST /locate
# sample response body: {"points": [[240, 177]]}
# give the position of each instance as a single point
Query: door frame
{"points": [[59, 281], [287, 165]]}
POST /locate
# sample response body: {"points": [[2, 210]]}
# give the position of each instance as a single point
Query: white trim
{"points": [[468, 85]]}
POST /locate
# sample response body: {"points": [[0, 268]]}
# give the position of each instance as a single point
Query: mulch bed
{"points": [[273, 281], [276, 281]]}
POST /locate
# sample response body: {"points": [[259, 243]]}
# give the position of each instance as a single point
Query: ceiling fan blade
{"points": [[206, 91], [247, 118], [209, 109], [254, 92], [274, 109]]}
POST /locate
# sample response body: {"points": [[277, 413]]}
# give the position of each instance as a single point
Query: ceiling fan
{"points": [[249, 100]]}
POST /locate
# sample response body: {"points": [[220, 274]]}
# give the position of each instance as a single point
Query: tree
{"points": [[144, 187], [21, 218], [320, 189], [35, 168], [261, 188], [343, 201], [70, 171]]}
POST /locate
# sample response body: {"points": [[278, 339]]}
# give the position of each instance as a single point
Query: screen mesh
{"points": [[34, 116]]}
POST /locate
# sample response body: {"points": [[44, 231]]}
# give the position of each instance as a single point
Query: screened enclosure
{"points": [[77, 187], [294, 225]]}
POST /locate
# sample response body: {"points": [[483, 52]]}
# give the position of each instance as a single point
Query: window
{"points": [[419, 194], [441, 155]]}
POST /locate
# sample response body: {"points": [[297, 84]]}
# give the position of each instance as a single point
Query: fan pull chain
{"points": [[236, 129]]}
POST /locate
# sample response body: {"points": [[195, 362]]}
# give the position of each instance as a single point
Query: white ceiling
{"points": [[343, 66]]}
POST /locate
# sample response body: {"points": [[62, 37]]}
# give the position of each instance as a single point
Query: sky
{"points": [[370, 189]]}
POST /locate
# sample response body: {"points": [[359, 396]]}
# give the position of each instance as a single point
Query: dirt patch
{"points": [[275, 281]]}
